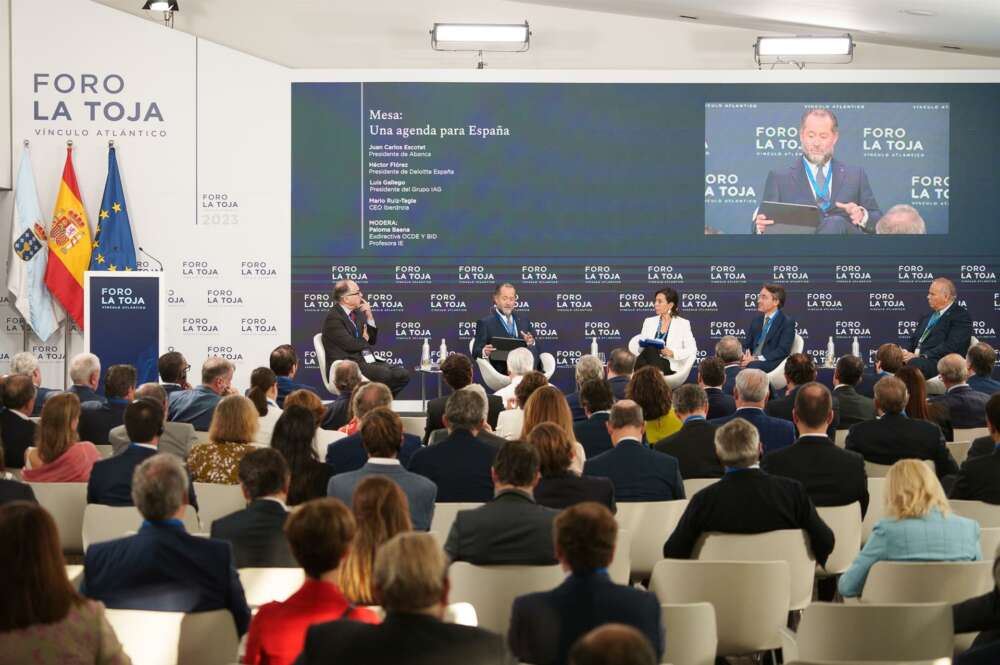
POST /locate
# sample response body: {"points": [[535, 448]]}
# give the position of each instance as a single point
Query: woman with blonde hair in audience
{"points": [[264, 393], [649, 390], [381, 511], [322, 438], [547, 404], [917, 406], [43, 619], [320, 535], [59, 456], [293, 437], [559, 487], [918, 526], [510, 422], [230, 436]]}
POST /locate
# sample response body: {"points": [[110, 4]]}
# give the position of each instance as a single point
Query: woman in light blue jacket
{"points": [[919, 526]]}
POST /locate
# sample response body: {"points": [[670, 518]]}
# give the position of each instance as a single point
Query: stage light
{"points": [[168, 7], [480, 37], [800, 50]]}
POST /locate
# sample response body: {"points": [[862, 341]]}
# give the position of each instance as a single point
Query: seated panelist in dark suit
{"points": [[456, 372], [163, 567], [979, 477], [410, 579], [638, 473], [894, 436], [713, 376], [982, 359], [831, 476], [800, 369], [771, 334], [841, 192], [17, 430], [694, 445], [559, 487], [257, 532], [966, 407], [545, 625], [503, 321], [747, 500], [98, 419], [750, 394], [349, 333], [512, 528], [854, 407], [947, 328], [597, 398], [349, 454]]}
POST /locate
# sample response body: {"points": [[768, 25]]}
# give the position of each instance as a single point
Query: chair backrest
{"points": [[970, 433], [690, 633], [321, 363], [176, 638], [845, 522], [648, 524], [264, 585], [842, 632], [414, 425], [927, 581], [105, 449], [873, 470], [876, 507], [959, 449], [620, 569], [840, 437], [548, 364], [987, 514], [65, 502], [464, 614], [75, 574], [791, 545], [694, 485], [102, 523], [444, 517], [989, 542], [493, 379], [492, 589], [633, 345], [200, 436], [216, 500], [731, 587], [681, 374], [777, 375]]}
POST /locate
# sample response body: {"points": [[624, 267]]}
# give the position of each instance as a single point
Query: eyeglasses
{"points": [[187, 367]]}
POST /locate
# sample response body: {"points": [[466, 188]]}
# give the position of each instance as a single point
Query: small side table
{"points": [[433, 370]]}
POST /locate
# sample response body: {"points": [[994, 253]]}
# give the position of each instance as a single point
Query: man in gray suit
{"points": [[382, 434], [177, 438]]}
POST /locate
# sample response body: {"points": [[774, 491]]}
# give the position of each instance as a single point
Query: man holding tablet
{"points": [[504, 324]]}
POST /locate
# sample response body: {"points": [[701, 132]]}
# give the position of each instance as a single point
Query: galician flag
{"points": [[113, 246], [26, 266], [69, 245]]}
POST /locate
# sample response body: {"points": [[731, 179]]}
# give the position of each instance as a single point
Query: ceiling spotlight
{"points": [[803, 49], [168, 7], [481, 38]]}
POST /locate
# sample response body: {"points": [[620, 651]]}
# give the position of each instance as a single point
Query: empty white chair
{"points": [[876, 507], [321, 362], [777, 375], [264, 585], [65, 502], [845, 522], [492, 589], [444, 517], [75, 574], [873, 470], [176, 638], [620, 569], [413, 425], [989, 541], [200, 437], [791, 545], [959, 449], [840, 437], [548, 362], [750, 598], [970, 433], [216, 500], [987, 514], [464, 614], [493, 379], [691, 636], [105, 449], [103, 523], [694, 485], [648, 524], [927, 581], [678, 377]]}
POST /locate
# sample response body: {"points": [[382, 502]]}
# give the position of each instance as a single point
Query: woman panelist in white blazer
{"points": [[670, 327]]}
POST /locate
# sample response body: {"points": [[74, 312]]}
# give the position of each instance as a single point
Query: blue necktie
{"points": [[763, 335], [930, 324], [822, 196]]}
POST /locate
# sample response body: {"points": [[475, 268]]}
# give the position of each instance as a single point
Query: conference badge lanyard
{"points": [[512, 328], [823, 195], [937, 316]]}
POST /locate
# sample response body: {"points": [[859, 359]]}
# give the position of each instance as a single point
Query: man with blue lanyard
{"points": [[503, 321], [841, 192], [947, 328]]}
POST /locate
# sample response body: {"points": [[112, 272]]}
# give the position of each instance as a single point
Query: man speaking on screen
{"points": [[841, 192]]}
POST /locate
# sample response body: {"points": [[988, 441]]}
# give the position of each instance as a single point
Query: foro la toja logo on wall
{"points": [[534, 273], [66, 98], [851, 274], [929, 190], [851, 329], [390, 358], [475, 273], [407, 274], [726, 188], [983, 329], [567, 358], [411, 330], [978, 274], [227, 352], [663, 273], [339, 272], [890, 142], [573, 301], [802, 332], [602, 274], [601, 329], [222, 298], [718, 329], [174, 298], [914, 273], [198, 269], [198, 325], [789, 273], [384, 302], [119, 298], [467, 329], [996, 301], [544, 331], [522, 305], [47, 352], [699, 302], [318, 301], [726, 274], [632, 301], [776, 141], [257, 325], [750, 302], [906, 328], [885, 302], [447, 301], [258, 269], [309, 359], [15, 324], [823, 302]]}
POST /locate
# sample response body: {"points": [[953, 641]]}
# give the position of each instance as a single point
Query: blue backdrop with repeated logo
{"points": [[123, 321]]}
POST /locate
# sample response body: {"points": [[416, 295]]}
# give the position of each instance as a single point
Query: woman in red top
{"points": [[319, 533]]}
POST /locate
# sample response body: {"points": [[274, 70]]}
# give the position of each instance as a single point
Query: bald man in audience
{"points": [[613, 644], [26, 363], [901, 219]]}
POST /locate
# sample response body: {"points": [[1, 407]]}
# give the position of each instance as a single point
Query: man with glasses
{"points": [[349, 333], [173, 368], [196, 406]]}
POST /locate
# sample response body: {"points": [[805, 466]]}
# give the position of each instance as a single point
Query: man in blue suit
{"points": [[503, 321], [966, 407], [981, 359], [98, 419], [285, 363], [85, 373], [349, 454], [197, 406], [841, 192], [771, 334], [163, 567], [947, 328], [638, 473], [729, 350], [545, 625], [751, 395]]}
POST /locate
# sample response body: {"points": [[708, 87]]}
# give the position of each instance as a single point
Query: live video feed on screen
{"points": [[815, 168]]}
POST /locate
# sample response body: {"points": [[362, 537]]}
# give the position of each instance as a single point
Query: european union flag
{"points": [[113, 246]]}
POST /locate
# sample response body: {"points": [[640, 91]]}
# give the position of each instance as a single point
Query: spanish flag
{"points": [[69, 245]]}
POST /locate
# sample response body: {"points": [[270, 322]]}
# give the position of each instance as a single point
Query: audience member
{"points": [[901, 219], [319, 535], [831, 476], [520, 361], [97, 418], [197, 404], [293, 438], [981, 359], [750, 393], [512, 528], [918, 526], [548, 405], [979, 477], [85, 373], [694, 445], [173, 369], [917, 406], [176, 438], [894, 436], [163, 567], [648, 389], [545, 625], [510, 422], [597, 397], [43, 619], [256, 533], [560, 487], [621, 364], [588, 368], [285, 364], [382, 431], [60, 456], [263, 392], [348, 454], [747, 500], [981, 614], [346, 379], [712, 376], [381, 511], [638, 473], [612, 644], [729, 350], [230, 437], [411, 582], [12, 489], [484, 434], [18, 430], [854, 407], [888, 361], [456, 372], [966, 407], [323, 439], [26, 363], [800, 369]]}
